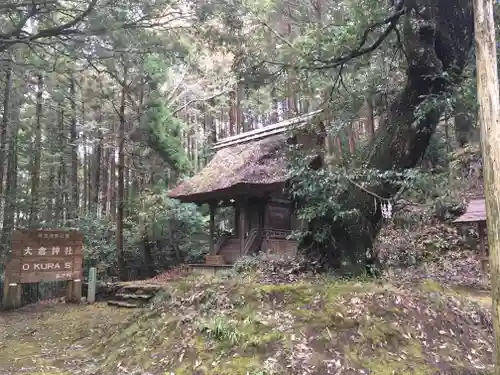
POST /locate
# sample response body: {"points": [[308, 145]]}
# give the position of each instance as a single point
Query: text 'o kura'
{"points": [[46, 266]]}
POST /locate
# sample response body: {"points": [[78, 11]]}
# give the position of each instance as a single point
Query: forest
{"points": [[109, 107], [106, 105]]}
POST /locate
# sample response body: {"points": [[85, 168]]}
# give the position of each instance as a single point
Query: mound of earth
{"points": [[309, 327], [240, 326]]}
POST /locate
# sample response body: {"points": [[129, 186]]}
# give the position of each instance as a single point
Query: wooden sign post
{"points": [[44, 255]]}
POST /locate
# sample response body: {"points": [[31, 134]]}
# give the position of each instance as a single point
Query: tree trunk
{"points": [[489, 118], [112, 177], [211, 125], [59, 201], [121, 184], [73, 214], [85, 183], [274, 117], [438, 40], [232, 111], [51, 188], [11, 172], [463, 123], [350, 139], [3, 130], [36, 154], [105, 181], [97, 169], [241, 124], [370, 119]]}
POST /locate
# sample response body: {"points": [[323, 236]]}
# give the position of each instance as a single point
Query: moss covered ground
{"points": [[242, 327]]}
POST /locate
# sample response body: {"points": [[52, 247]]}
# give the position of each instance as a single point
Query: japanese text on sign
{"points": [[53, 235], [47, 255], [44, 251]]}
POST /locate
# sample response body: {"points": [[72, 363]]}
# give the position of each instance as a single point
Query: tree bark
{"points": [[74, 153], [3, 130], [97, 169], [36, 155], [11, 170], [463, 123], [59, 201], [370, 119], [350, 139], [233, 111], [112, 176], [489, 118], [121, 184], [105, 180], [241, 124], [85, 182]]}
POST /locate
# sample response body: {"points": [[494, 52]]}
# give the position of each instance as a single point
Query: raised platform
{"points": [[210, 269], [214, 260]]}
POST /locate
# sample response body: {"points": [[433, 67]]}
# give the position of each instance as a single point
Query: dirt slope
{"points": [[242, 327]]}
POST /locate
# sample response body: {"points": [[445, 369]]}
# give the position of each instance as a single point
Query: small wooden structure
{"points": [[476, 214], [248, 173]]}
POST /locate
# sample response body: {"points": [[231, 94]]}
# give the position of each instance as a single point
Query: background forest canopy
{"points": [[106, 104]]}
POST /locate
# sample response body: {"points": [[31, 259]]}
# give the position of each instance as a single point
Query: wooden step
{"points": [[128, 305]]}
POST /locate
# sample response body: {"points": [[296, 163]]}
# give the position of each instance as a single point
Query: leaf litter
{"points": [[259, 323]]}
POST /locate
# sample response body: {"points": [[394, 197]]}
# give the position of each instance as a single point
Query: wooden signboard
{"points": [[46, 255]]}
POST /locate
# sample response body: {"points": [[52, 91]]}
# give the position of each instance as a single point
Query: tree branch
{"points": [[54, 31], [200, 100], [174, 90], [278, 35], [392, 22], [25, 4], [15, 37], [20, 25], [360, 51]]}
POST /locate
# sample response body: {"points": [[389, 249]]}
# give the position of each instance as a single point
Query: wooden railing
{"points": [[276, 233], [252, 242]]}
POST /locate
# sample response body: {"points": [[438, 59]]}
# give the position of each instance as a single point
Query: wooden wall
{"points": [[280, 247]]}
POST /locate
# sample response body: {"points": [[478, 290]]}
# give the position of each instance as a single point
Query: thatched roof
{"points": [[261, 165]]}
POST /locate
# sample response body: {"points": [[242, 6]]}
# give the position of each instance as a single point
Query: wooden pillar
{"points": [[212, 206], [260, 215], [74, 291], [483, 257], [242, 223], [237, 219]]}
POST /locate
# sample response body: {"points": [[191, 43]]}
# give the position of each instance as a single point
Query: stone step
{"points": [[127, 296], [139, 289], [128, 305]]}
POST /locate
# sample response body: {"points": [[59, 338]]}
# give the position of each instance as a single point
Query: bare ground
{"points": [[54, 339]]}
